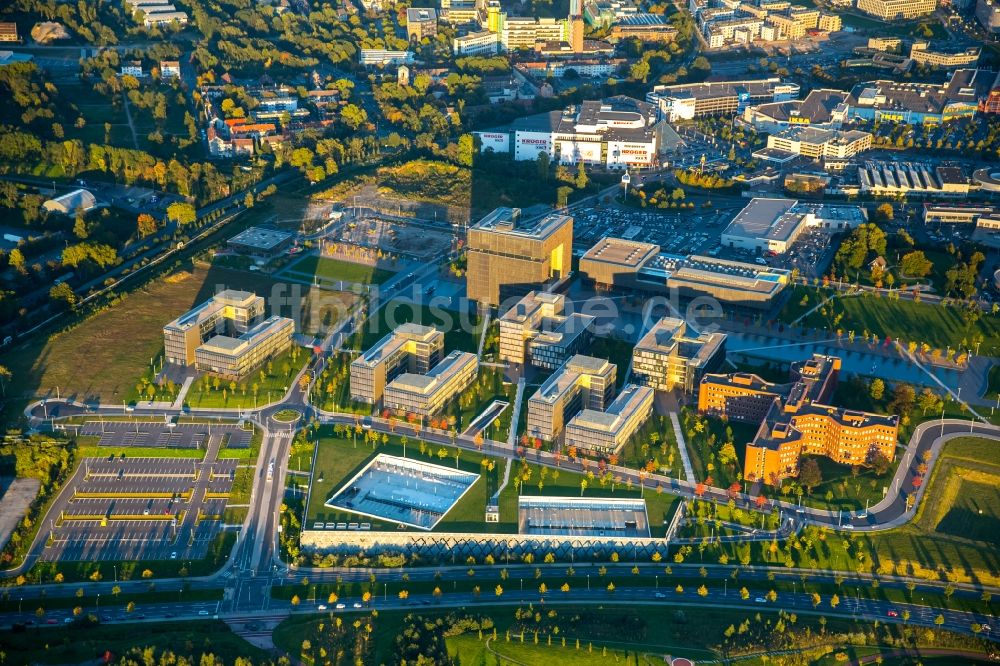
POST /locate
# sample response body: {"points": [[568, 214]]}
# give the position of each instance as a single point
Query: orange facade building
{"points": [[795, 420]]}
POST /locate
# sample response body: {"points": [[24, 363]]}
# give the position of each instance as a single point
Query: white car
{"points": [[357, 604], [321, 607], [760, 600], [340, 606]]}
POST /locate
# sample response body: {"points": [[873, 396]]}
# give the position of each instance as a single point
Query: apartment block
{"points": [[583, 382], [409, 348], [830, 23], [667, 358], [796, 419], [426, 394], [535, 331], [229, 312], [607, 432], [509, 255]]}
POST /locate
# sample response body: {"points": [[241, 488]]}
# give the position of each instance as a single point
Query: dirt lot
{"points": [[394, 237]]}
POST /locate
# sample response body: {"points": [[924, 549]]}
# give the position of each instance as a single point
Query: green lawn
{"points": [[938, 326], [336, 269], [265, 385], [706, 438], [74, 645]]}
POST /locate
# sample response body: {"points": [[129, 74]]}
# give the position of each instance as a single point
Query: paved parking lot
{"points": [[157, 434], [675, 233], [145, 508]]}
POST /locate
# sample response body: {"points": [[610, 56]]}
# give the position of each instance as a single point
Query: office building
{"points": [[634, 267], [583, 382], [897, 10], [830, 23], [695, 100], [170, 69], [921, 54], [607, 432], [510, 256], [822, 109], [795, 420], [616, 133], [426, 394], [420, 22], [482, 42], [410, 348], [523, 32], [668, 358], [942, 214], [237, 357], [816, 143], [536, 332], [156, 19], [260, 243], [773, 225], [227, 335], [988, 14]]}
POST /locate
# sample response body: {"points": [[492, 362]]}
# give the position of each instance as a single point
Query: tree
{"points": [[884, 212], [876, 389], [63, 294], [639, 71], [810, 475], [498, 590], [80, 227], [146, 224], [834, 601], [16, 260], [248, 200], [581, 176], [915, 264], [295, 600], [181, 212], [702, 591], [353, 116]]}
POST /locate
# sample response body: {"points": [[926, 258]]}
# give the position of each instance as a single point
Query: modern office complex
{"points": [[631, 266], [615, 133], [795, 420], [694, 100], [426, 394], [583, 382], [894, 10], [410, 348], [510, 256], [921, 53], [227, 335], [535, 331], [607, 432], [773, 225], [420, 22], [482, 42], [667, 358]]}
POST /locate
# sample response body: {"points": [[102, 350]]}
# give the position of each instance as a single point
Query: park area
{"points": [[939, 326]]}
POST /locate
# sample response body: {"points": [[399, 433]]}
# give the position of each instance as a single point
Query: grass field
{"points": [[335, 269], [263, 386], [104, 356], [74, 645], [938, 326]]}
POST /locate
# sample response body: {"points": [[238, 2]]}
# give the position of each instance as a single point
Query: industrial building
{"points": [[695, 100], [912, 179], [645, 27], [583, 382], [773, 225], [69, 203], [795, 420], [666, 357], [616, 133], [227, 335], [410, 348], [535, 331], [510, 256]]}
